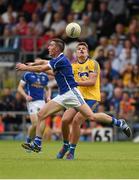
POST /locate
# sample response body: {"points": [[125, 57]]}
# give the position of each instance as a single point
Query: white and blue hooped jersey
{"points": [[63, 73], [35, 84]]}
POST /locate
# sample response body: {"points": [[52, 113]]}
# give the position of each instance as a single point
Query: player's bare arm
{"points": [[36, 68], [89, 82], [37, 61], [22, 92]]}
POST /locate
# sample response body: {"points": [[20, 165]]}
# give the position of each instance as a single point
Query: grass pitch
{"points": [[93, 161]]}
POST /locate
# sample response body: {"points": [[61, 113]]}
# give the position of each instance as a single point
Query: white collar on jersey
{"points": [[60, 55]]}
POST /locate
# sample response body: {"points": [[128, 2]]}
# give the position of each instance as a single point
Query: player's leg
{"points": [[75, 134], [75, 130], [66, 121], [33, 109], [32, 128], [48, 109], [102, 117]]}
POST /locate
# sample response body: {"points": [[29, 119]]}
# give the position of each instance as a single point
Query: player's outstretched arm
{"points": [[36, 68], [37, 61]]}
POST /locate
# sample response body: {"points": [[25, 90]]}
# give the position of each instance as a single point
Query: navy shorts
{"points": [[93, 104]]}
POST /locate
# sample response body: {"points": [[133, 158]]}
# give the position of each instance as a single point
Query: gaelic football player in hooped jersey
{"points": [[69, 96]]}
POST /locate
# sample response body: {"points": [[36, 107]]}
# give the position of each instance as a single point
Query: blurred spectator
{"points": [[107, 87], [28, 42], [88, 31], [126, 107], [116, 99], [12, 23], [115, 45], [127, 75], [42, 42], [48, 16], [90, 11], [22, 26], [9, 40], [105, 21], [8, 13], [8, 99], [108, 72], [36, 24], [115, 61], [119, 10], [128, 55], [105, 101], [103, 43], [39, 9], [135, 75], [133, 34], [100, 56], [61, 10], [55, 4], [19, 105], [19, 102], [58, 25], [120, 32], [29, 7]]}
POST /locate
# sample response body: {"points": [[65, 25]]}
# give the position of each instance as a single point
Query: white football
{"points": [[73, 30]]}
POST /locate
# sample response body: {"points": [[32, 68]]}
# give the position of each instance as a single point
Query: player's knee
{"points": [[34, 123], [76, 122], [91, 117], [65, 121], [40, 116]]}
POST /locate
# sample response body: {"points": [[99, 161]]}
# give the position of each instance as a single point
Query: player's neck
{"points": [[82, 60]]}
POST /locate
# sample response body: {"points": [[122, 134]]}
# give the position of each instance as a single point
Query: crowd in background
{"points": [[110, 28]]}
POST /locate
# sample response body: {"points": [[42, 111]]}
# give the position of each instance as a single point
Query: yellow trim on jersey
{"points": [[81, 73]]}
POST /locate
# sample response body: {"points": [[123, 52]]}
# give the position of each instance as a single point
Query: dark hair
{"points": [[60, 43], [82, 44]]}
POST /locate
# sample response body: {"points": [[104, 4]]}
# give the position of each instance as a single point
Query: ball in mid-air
{"points": [[73, 30]]}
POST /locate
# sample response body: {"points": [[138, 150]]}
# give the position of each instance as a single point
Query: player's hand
{"points": [[48, 99], [21, 67], [28, 98]]}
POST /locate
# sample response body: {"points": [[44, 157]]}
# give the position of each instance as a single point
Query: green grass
{"points": [[93, 160]]}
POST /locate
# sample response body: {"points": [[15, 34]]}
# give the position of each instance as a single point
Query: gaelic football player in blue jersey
{"points": [[69, 96], [33, 87]]}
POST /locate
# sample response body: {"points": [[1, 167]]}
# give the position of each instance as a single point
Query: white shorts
{"points": [[71, 99], [34, 106]]}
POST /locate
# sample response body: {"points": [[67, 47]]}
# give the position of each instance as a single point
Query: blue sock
{"points": [[28, 139], [66, 144], [116, 122], [72, 148], [38, 140]]}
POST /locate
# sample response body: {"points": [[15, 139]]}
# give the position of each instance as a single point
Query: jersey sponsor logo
{"points": [[82, 74], [37, 85]]}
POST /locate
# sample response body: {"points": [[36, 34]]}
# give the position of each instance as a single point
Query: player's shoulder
{"points": [[75, 65], [93, 60], [27, 73]]}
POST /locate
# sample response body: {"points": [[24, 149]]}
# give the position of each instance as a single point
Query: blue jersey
{"points": [[63, 73], [35, 84]]}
